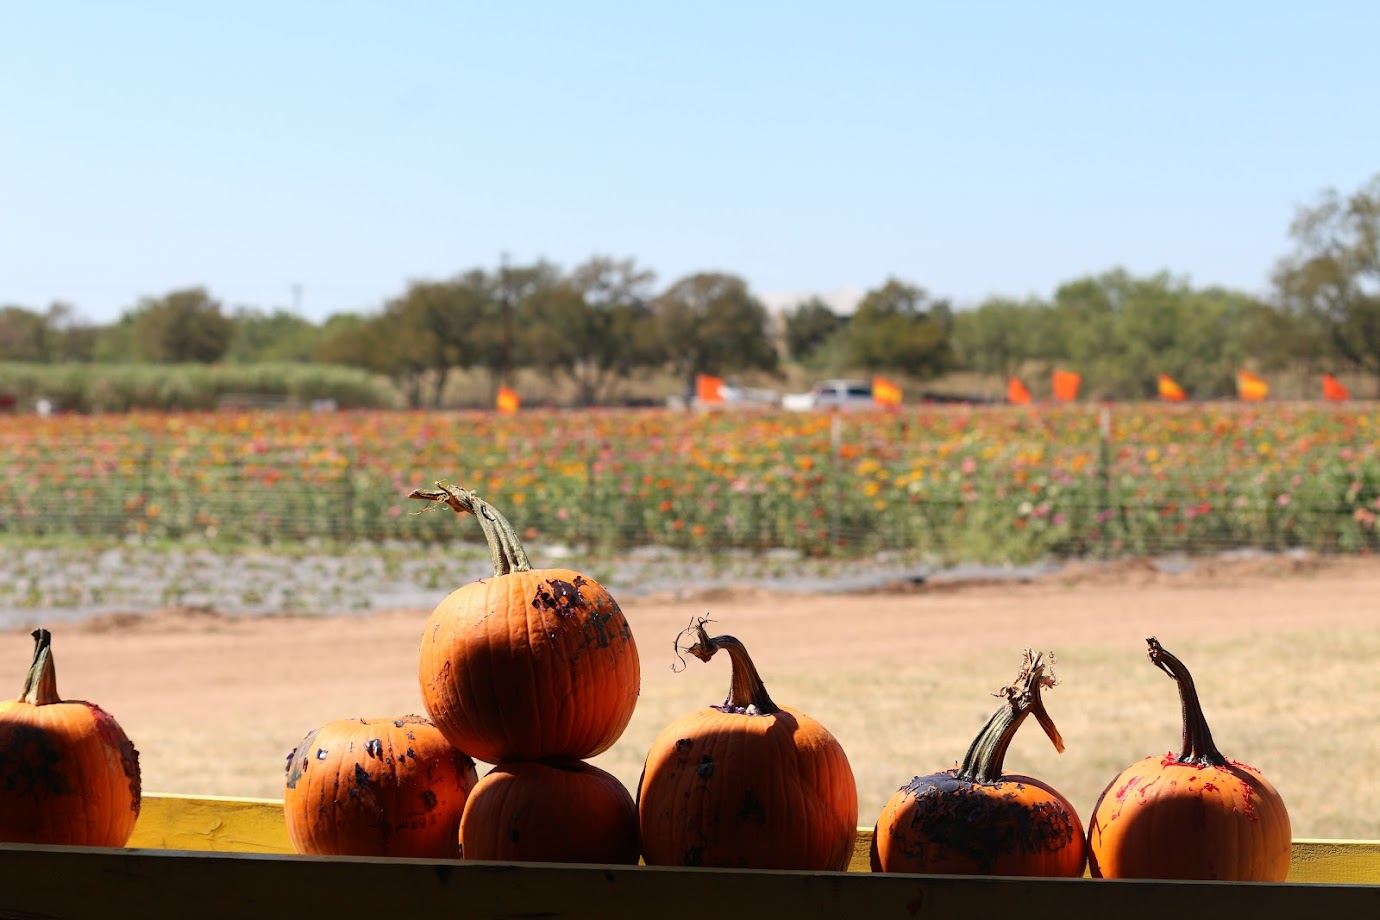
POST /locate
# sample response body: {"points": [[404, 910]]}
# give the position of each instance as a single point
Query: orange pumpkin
{"points": [[529, 664], [978, 820], [1194, 816], [377, 787], [68, 773], [748, 784], [550, 811]]}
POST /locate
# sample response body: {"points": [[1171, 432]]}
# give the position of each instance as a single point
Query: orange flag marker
{"points": [[885, 393], [1016, 393], [508, 401], [1334, 390], [709, 389], [1170, 391], [1066, 385], [1251, 387]]}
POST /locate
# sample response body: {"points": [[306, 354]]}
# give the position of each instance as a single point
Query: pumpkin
{"points": [[550, 811], [68, 772], [1194, 816], [530, 664], [748, 784], [377, 787], [977, 819]]}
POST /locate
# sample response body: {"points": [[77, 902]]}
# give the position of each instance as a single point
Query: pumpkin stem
{"points": [[746, 693], [1198, 747], [40, 684], [987, 754], [505, 549]]}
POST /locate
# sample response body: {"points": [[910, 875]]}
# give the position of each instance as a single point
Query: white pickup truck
{"points": [[832, 394]]}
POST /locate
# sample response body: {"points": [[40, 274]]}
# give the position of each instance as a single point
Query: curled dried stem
{"points": [[986, 756], [696, 627], [505, 549]]}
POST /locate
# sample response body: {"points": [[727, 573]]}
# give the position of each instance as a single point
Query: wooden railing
{"points": [[201, 857]]}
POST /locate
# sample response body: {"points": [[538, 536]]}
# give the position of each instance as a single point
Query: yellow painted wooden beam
{"points": [[239, 825], [228, 825]]}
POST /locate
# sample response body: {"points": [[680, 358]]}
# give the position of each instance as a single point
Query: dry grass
{"points": [[1298, 705], [1284, 661]]}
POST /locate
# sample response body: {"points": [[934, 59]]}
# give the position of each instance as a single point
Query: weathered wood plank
{"points": [[78, 883]]}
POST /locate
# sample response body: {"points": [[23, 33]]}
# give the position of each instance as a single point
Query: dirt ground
{"points": [[1284, 651]]}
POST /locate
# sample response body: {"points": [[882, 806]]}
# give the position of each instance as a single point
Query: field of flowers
{"points": [[941, 483]]}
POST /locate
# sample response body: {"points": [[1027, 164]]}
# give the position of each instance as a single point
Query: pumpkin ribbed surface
{"points": [[377, 787], [550, 811], [529, 664], [978, 819], [748, 784], [533, 664], [1164, 819], [732, 790], [944, 824], [1196, 815], [68, 772]]}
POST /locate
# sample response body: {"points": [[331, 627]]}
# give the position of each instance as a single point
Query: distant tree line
{"points": [[606, 321]]}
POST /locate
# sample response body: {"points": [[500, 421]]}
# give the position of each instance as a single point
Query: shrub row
{"points": [[122, 387]]}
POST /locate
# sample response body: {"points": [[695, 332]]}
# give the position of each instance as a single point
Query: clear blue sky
{"points": [[973, 149]]}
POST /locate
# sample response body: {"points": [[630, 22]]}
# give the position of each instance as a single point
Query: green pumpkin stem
{"points": [[1199, 748], [987, 754], [40, 684], [746, 692], [505, 549]]}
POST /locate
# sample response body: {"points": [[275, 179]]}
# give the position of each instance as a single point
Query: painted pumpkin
{"points": [[979, 820], [1194, 816], [377, 787], [550, 811], [68, 773], [748, 784], [529, 664]]}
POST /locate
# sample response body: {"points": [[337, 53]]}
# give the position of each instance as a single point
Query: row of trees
{"points": [[605, 321]]}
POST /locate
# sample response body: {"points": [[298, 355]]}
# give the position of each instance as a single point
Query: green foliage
{"points": [[603, 323], [123, 387], [997, 337], [181, 326], [891, 330], [709, 323], [54, 335], [1121, 332], [277, 336], [808, 325], [593, 328], [1333, 276]]}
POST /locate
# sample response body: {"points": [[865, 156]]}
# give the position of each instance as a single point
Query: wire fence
{"points": [[853, 488]]}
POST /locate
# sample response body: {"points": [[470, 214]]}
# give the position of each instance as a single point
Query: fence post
{"points": [[145, 472], [1104, 428], [347, 531], [589, 514], [835, 474]]}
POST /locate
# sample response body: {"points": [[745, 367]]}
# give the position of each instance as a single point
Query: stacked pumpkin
{"points": [[534, 671]]}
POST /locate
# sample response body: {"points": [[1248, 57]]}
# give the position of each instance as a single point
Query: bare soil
{"points": [[1284, 651]]}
